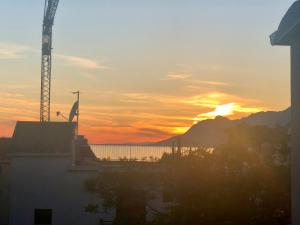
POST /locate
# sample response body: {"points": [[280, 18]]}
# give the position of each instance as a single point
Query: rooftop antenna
{"points": [[288, 34], [60, 114], [49, 14]]}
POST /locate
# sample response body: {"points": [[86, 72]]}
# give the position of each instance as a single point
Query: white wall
{"points": [[48, 183]]}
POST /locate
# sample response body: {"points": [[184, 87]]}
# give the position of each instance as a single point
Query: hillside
{"points": [[212, 132]]}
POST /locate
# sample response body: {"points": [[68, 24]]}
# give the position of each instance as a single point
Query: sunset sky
{"points": [[147, 70]]}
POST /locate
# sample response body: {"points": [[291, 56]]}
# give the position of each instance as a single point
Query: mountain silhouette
{"points": [[212, 132]]}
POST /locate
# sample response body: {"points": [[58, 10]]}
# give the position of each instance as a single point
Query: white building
{"points": [[45, 184]]}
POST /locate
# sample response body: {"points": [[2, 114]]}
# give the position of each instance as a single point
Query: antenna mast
{"points": [[49, 14]]}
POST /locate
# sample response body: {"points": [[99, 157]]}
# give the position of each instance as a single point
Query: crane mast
{"points": [[49, 14]]}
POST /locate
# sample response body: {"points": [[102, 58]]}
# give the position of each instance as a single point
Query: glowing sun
{"points": [[220, 110], [224, 110]]}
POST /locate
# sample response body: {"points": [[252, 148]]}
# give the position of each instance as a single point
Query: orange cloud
{"points": [[82, 62], [177, 76], [131, 117], [13, 51]]}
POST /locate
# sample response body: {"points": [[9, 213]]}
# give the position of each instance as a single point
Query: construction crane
{"points": [[49, 14]]}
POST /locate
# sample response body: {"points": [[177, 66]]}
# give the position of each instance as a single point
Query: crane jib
{"points": [[49, 14]]}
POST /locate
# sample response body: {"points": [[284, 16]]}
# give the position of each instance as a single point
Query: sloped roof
{"points": [[289, 27], [36, 137]]}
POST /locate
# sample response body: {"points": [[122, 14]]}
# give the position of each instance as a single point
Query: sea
{"points": [[130, 152]]}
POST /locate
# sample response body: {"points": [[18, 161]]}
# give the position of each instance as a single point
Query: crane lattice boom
{"points": [[49, 14]]}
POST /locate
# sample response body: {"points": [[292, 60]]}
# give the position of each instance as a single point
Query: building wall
{"points": [[4, 192], [49, 183]]}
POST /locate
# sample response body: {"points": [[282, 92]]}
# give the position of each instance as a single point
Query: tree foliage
{"points": [[243, 182]]}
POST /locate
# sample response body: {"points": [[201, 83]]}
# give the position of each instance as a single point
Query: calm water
{"points": [[130, 152]]}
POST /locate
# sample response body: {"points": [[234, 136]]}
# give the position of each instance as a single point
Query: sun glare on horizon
{"points": [[225, 110]]}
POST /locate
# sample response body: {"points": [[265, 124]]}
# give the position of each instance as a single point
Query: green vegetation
{"points": [[126, 190], [243, 182]]}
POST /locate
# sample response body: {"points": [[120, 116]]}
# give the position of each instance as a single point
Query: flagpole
{"points": [[78, 96], [77, 112], [77, 127]]}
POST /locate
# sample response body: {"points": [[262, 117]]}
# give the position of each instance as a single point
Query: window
{"points": [[42, 216]]}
